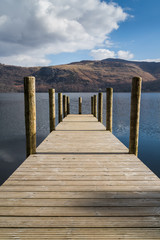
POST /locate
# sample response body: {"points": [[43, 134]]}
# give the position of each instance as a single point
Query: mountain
{"points": [[83, 76]]}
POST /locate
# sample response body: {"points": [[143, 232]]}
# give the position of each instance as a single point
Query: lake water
{"points": [[12, 128]]}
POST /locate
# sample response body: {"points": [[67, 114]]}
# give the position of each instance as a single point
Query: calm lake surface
{"points": [[12, 128]]}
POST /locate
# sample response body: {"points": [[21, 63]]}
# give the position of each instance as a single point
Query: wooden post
{"points": [[59, 107], [52, 109], [80, 105], [135, 115], [68, 105], [100, 107], [91, 105], [65, 106], [95, 105], [30, 114], [64, 100], [109, 108]]}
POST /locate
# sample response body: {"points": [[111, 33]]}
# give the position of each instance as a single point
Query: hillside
{"points": [[83, 76]]}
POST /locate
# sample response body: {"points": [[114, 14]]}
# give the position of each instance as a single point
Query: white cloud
{"points": [[3, 19], [25, 60], [125, 55], [150, 60], [31, 29], [100, 54]]}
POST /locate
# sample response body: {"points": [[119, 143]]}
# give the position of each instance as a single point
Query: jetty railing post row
{"points": [[100, 107], [59, 107], [135, 115], [30, 114], [95, 105], [109, 108], [52, 114], [80, 105], [68, 105]]}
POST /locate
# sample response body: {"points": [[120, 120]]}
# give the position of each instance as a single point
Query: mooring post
{"points": [[91, 105], [135, 115], [59, 107], [68, 105], [109, 108], [30, 114], [65, 106], [100, 107], [80, 105], [95, 105], [52, 114]]}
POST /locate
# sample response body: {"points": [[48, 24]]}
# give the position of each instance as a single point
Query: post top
{"points": [[109, 89], [29, 77], [137, 79], [52, 90]]}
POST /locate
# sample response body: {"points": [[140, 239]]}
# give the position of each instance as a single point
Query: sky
{"points": [[53, 32]]}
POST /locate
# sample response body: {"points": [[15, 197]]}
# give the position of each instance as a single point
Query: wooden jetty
{"points": [[81, 184]]}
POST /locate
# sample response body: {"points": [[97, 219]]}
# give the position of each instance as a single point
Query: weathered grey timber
{"points": [[135, 115], [68, 105], [52, 114], [81, 184], [95, 106], [100, 107], [92, 105], [109, 108], [60, 107], [30, 114], [80, 105]]}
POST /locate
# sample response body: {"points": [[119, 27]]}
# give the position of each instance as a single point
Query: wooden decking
{"points": [[81, 184]]}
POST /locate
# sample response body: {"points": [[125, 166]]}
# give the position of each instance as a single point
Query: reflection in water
{"points": [[12, 130]]}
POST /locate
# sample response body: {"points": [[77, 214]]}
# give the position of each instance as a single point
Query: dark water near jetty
{"points": [[12, 129]]}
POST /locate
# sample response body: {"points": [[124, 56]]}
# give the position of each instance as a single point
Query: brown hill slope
{"points": [[83, 76]]}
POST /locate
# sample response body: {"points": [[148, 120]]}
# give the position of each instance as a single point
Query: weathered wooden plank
{"points": [[80, 211], [82, 165], [46, 177], [38, 200], [81, 183], [78, 188], [81, 195], [80, 222], [80, 233], [93, 169], [80, 173]]}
